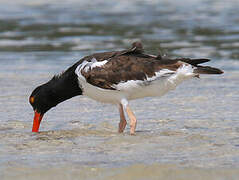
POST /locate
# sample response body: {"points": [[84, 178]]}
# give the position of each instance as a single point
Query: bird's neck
{"points": [[65, 86]]}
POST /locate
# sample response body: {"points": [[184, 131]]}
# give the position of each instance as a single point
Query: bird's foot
{"points": [[122, 126]]}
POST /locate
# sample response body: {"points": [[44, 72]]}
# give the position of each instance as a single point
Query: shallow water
{"points": [[191, 132]]}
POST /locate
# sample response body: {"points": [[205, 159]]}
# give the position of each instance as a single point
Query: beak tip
{"points": [[35, 131]]}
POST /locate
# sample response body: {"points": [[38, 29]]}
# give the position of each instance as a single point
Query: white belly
{"points": [[102, 95], [156, 88]]}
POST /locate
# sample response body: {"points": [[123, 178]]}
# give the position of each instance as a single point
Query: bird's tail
{"points": [[207, 70], [201, 69]]}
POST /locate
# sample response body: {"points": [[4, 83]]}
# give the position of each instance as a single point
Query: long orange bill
{"points": [[36, 121]]}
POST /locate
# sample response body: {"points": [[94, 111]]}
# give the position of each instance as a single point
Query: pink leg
{"points": [[123, 122], [133, 120]]}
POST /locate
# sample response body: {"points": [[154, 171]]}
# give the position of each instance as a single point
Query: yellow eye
{"points": [[31, 100]]}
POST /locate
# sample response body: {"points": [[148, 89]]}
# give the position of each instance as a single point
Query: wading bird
{"points": [[117, 77]]}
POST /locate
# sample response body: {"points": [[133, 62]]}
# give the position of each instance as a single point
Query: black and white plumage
{"points": [[117, 77]]}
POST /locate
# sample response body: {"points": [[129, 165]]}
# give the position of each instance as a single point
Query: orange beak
{"points": [[36, 121]]}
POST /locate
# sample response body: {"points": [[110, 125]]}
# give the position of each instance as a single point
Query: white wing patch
{"points": [[164, 75], [131, 84], [86, 65], [160, 74], [98, 64], [94, 63]]}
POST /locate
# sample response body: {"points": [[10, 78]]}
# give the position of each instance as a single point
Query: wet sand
{"points": [[134, 172]]}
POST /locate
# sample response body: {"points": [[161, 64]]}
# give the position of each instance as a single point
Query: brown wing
{"points": [[123, 68]]}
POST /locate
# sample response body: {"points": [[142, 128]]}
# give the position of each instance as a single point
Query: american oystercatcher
{"points": [[117, 77]]}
